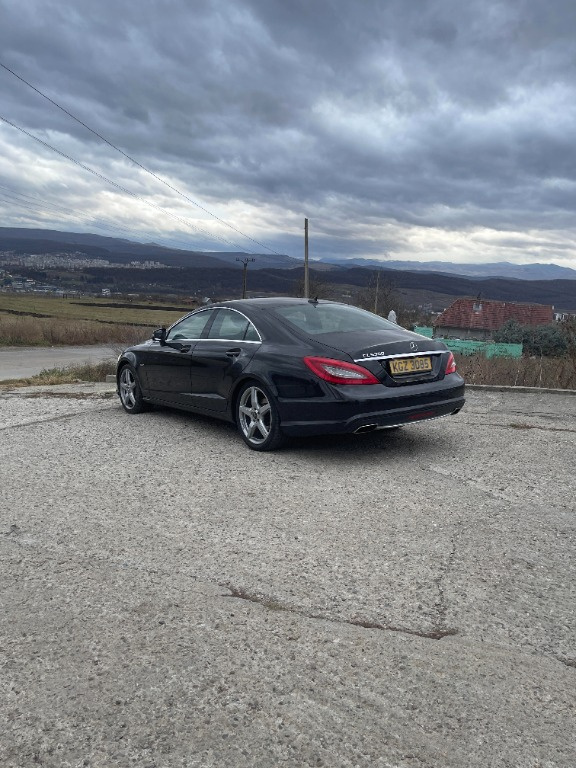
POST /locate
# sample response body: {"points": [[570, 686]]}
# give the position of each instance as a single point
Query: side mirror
{"points": [[160, 335]]}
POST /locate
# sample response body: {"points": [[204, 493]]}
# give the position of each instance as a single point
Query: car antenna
{"points": [[313, 301]]}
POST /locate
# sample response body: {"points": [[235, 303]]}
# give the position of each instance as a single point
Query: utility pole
{"points": [[306, 279], [376, 294], [245, 262]]}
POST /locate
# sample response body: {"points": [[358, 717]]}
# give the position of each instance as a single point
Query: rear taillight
{"points": [[450, 365], [339, 372]]}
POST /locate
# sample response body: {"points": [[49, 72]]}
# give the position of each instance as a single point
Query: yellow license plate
{"points": [[410, 365]]}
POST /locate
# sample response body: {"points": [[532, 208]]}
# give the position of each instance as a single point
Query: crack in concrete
{"points": [[14, 530], [473, 482], [274, 604], [270, 603], [520, 426], [60, 417], [444, 571], [14, 536], [72, 395]]}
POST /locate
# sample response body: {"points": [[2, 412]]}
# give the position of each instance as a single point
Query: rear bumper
{"points": [[344, 417]]}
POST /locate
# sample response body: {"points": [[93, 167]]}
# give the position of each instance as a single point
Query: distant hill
{"points": [[124, 251], [261, 260], [219, 274], [414, 288], [559, 293], [495, 269]]}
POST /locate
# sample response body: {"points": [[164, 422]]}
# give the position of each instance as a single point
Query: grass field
{"points": [[86, 308], [31, 320], [69, 375]]}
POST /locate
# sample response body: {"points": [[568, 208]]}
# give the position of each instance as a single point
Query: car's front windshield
{"points": [[315, 319]]}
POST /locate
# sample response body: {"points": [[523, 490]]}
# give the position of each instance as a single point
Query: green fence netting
{"points": [[467, 347]]}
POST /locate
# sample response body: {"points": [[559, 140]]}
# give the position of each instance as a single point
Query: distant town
{"points": [[76, 261], [73, 261]]}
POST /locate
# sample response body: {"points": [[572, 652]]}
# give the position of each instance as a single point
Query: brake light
{"points": [[339, 372], [450, 365]]}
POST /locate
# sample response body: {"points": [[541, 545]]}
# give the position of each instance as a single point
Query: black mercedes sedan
{"points": [[286, 366]]}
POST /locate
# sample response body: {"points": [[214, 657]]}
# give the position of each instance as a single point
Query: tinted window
{"points": [[315, 319], [190, 327], [233, 326]]}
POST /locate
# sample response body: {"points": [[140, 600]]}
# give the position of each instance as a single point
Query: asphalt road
{"points": [[170, 598], [23, 362]]}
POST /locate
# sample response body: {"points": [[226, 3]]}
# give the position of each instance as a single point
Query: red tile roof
{"points": [[483, 314]]}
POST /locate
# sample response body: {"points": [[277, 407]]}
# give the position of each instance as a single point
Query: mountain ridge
{"points": [[207, 275], [125, 250], [506, 269]]}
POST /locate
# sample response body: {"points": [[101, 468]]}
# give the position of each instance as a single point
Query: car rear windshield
{"points": [[315, 319]]}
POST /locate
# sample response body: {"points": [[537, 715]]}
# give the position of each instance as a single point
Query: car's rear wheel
{"points": [[257, 418], [130, 392]]}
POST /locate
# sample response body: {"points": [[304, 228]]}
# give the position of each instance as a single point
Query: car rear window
{"points": [[315, 319]]}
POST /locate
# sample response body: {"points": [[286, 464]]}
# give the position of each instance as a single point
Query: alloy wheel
{"points": [[255, 415]]}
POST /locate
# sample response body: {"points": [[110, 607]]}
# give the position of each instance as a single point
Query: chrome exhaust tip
{"points": [[365, 428]]}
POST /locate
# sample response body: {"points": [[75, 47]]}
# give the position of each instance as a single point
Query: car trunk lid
{"points": [[394, 358]]}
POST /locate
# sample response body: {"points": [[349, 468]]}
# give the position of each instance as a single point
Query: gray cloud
{"points": [[397, 127]]}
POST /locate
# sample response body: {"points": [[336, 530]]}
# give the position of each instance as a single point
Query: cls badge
{"points": [[413, 346]]}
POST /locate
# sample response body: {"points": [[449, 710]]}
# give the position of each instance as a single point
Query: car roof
{"points": [[269, 302]]}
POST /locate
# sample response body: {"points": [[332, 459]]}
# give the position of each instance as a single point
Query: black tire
{"points": [[257, 418], [130, 392]]}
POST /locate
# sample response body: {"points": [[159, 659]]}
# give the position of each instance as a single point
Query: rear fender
{"points": [[251, 377]]}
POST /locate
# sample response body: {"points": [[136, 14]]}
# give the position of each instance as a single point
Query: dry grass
{"points": [[68, 375], [548, 372], [18, 330], [31, 320]]}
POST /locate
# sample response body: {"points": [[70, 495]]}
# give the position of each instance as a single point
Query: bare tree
{"points": [[380, 295], [316, 289]]}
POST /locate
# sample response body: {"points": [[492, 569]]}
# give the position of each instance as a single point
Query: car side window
{"points": [[232, 326], [252, 334], [190, 327]]}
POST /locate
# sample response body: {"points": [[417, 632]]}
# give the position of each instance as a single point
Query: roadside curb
{"points": [[520, 390], [77, 388]]}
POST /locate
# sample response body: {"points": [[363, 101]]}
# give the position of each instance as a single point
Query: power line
{"points": [[119, 186], [34, 202], [132, 160]]}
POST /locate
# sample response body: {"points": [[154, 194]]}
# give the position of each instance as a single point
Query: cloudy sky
{"points": [[402, 129]]}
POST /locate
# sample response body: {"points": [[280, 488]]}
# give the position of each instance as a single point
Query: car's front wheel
{"points": [[257, 418], [130, 392]]}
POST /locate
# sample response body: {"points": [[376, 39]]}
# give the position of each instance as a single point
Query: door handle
{"points": [[185, 348], [233, 352]]}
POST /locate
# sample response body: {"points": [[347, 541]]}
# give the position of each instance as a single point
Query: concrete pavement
{"points": [[398, 599]]}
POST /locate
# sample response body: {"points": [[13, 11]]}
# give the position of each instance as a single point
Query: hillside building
{"points": [[478, 319]]}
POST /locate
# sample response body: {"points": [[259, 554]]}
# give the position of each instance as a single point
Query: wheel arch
{"points": [[238, 385], [126, 358]]}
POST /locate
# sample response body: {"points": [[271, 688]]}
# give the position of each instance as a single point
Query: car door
{"points": [[166, 369], [220, 357]]}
